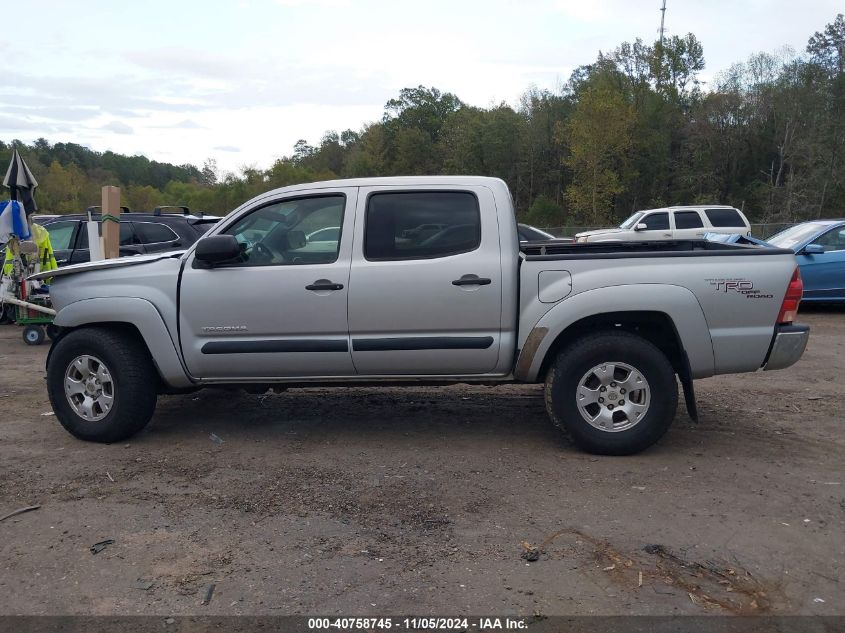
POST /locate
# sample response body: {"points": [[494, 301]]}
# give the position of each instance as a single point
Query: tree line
{"points": [[635, 129]]}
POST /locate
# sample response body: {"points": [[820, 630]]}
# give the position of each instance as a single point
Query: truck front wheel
{"points": [[614, 393], [102, 384]]}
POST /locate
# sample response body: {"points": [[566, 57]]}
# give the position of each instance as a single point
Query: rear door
{"points": [[426, 282], [688, 225], [280, 310], [156, 237], [130, 244]]}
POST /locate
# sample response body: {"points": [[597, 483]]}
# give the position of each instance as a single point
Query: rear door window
{"points": [[421, 225], [154, 232], [127, 236], [725, 218], [688, 220]]}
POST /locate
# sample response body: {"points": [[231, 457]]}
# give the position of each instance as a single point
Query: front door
{"points": [[657, 227], [62, 238], [426, 282], [279, 311], [823, 274]]}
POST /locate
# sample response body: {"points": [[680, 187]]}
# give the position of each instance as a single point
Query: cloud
{"points": [[15, 124], [117, 127], [227, 148], [50, 112], [186, 61], [184, 124]]}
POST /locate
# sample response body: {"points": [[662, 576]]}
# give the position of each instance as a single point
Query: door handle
{"points": [[324, 284], [466, 280]]}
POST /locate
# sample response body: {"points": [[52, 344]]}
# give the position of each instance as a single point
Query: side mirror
{"points": [[217, 249], [642, 226], [813, 249]]}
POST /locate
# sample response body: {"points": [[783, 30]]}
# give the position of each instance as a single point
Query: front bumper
{"points": [[787, 346]]}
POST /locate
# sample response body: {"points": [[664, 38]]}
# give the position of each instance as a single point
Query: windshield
{"points": [[632, 221], [796, 234], [531, 233]]}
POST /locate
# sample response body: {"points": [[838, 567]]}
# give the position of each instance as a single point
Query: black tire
{"points": [[33, 335], [576, 360], [53, 331], [134, 379]]}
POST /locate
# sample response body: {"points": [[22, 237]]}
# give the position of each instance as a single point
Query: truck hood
{"points": [[134, 260], [599, 232]]}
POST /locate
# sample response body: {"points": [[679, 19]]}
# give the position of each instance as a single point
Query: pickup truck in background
{"points": [[425, 282]]}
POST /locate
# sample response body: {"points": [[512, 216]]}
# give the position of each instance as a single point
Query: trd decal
{"points": [[740, 286]]}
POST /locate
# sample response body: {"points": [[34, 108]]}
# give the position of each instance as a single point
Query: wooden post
{"points": [[111, 222]]}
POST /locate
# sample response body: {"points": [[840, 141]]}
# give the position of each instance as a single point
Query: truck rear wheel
{"points": [[102, 384], [614, 393]]}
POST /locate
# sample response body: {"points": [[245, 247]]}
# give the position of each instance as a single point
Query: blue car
{"points": [[819, 247]]}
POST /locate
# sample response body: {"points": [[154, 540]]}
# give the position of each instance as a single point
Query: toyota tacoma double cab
{"points": [[423, 281]]}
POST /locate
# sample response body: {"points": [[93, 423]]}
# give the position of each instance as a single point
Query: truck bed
{"points": [[723, 308]]}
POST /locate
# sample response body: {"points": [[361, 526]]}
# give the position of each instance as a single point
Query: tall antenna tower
{"points": [[662, 19]]}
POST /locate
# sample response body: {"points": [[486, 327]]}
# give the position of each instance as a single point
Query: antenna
{"points": [[662, 18]]}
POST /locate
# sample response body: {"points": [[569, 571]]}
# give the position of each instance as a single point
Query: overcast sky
{"points": [[242, 80]]}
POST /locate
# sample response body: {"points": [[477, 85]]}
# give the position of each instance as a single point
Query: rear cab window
{"points": [[725, 218], [421, 225]]}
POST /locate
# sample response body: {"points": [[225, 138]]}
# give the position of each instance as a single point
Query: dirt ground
{"points": [[418, 500]]}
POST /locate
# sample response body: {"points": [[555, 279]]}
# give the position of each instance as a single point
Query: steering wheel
{"points": [[262, 253]]}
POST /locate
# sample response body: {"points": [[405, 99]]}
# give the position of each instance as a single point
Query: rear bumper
{"points": [[787, 346]]}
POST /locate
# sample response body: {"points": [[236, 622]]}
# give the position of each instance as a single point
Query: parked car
{"points": [[606, 327], [140, 232], [820, 250], [673, 223], [528, 233]]}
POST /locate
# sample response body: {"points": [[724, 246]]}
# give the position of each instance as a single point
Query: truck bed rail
{"points": [[552, 250]]}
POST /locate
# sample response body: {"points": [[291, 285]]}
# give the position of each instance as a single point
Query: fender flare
{"points": [[137, 312], [676, 302]]}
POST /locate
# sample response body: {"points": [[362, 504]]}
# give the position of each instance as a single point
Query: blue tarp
{"points": [[13, 220]]}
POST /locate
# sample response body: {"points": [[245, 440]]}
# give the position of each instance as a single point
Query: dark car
{"points": [[140, 232]]}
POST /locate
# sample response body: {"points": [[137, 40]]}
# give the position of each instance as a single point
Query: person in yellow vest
{"points": [[46, 259]]}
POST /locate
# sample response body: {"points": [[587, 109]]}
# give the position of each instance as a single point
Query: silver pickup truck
{"points": [[418, 280]]}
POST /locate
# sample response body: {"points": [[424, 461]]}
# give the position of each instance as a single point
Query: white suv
{"points": [[673, 223]]}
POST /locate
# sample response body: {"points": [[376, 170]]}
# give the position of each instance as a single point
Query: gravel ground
{"points": [[424, 500]]}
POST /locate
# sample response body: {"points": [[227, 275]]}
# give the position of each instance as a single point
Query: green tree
{"points": [[597, 135]]}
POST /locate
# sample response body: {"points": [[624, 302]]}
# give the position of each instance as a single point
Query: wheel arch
{"points": [[136, 316], [668, 316]]}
